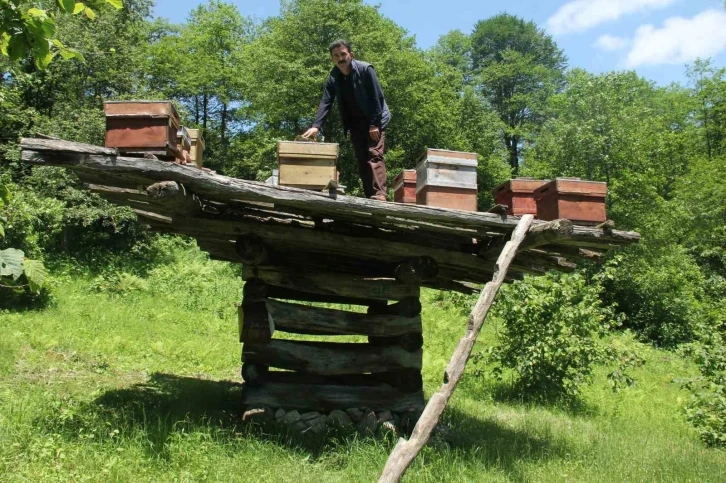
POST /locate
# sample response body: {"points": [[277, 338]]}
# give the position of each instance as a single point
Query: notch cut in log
{"points": [[174, 197], [405, 451], [255, 324], [251, 249], [304, 319], [330, 397], [329, 358], [407, 307], [254, 374], [417, 270], [335, 284]]}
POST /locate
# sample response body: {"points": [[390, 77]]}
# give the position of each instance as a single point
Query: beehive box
{"points": [[404, 187], [197, 151], [136, 127], [581, 201], [308, 165], [447, 179], [518, 195]]}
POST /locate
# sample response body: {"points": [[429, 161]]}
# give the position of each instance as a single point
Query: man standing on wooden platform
{"points": [[364, 112]]}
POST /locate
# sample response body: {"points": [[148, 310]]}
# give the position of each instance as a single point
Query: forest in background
{"points": [[503, 90]]}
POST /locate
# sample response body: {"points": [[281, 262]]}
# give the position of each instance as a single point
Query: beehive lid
{"points": [[140, 109], [575, 186], [302, 149]]}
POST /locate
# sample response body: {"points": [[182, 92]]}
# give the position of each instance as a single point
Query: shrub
{"points": [[706, 409], [552, 338]]}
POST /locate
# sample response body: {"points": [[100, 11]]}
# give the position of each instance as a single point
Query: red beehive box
{"points": [[518, 195], [583, 202], [404, 187], [447, 179], [138, 127]]}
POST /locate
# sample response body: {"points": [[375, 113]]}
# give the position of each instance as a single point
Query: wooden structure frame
{"points": [[298, 245]]}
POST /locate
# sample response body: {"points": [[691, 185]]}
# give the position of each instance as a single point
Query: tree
{"points": [[30, 31], [517, 67]]}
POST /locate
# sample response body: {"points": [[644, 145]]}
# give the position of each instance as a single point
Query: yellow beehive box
{"points": [[306, 165], [197, 151]]}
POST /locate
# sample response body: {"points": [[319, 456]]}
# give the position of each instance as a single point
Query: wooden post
{"points": [[405, 451]]}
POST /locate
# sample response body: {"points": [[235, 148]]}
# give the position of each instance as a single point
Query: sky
{"points": [[656, 38]]}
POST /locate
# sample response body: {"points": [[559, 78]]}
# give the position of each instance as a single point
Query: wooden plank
{"points": [[304, 319], [255, 325], [330, 397], [313, 172], [329, 358], [332, 283], [286, 148], [406, 381], [405, 451]]}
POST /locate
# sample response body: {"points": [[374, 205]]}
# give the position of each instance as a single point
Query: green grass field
{"points": [[141, 383]]}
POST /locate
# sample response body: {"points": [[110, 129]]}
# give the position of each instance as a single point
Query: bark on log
{"points": [[332, 284], [329, 397], [408, 307], [410, 342], [304, 319], [405, 451], [328, 358], [551, 232]]}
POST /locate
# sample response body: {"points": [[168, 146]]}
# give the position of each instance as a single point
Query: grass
{"points": [[143, 385]]}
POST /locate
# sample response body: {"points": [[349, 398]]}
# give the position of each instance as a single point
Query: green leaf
{"points": [[68, 53], [2, 230], [78, 8], [4, 41], [89, 13], [43, 61], [36, 274], [4, 195], [117, 4], [67, 5], [37, 13], [11, 263]]}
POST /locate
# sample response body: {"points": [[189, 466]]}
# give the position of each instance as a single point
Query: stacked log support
{"points": [[382, 373]]}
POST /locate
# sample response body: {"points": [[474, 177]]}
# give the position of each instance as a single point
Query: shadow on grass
{"points": [[167, 405]]}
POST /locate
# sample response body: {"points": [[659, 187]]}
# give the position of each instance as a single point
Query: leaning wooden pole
{"points": [[405, 451]]}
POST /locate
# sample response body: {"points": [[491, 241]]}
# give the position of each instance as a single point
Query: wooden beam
{"points": [[336, 284], [329, 397], [304, 319], [251, 250], [174, 197], [417, 270], [405, 451], [329, 358], [255, 324]]}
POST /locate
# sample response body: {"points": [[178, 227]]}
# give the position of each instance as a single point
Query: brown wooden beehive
{"points": [[447, 179], [138, 127], [518, 195], [307, 165], [578, 200], [404, 187]]}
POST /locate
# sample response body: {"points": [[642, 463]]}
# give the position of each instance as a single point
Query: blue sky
{"points": [[656, 38]]}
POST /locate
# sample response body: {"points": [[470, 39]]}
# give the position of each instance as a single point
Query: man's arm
{"points": [[324, 108]]}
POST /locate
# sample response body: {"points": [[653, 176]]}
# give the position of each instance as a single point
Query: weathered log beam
{"points": [[257, 289], [254, 374], [551, 232], [406, 380], [408, 307], [336, 284], [64, 153], [410, 342], [304, 319], [118, 195], [329, 397], [329, 358]]}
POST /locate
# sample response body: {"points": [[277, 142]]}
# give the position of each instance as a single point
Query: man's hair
{"points": [[339, 43]]}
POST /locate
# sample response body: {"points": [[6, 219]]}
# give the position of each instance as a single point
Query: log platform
{"points": [[299, 246]]}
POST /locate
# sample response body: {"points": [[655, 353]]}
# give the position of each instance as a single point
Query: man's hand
{"points": [[374, 133], [311, 133]]}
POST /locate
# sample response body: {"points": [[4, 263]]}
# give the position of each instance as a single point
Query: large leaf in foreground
{"points": [[36, 273], [11, 263]]}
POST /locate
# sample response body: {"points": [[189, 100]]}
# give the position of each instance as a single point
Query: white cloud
{"points": [[580, 15], [680, 40], [609, 43]]}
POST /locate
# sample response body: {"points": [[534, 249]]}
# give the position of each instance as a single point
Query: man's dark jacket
{"points": [[367, 91]]}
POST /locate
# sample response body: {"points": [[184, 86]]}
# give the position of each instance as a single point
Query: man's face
{"points": [[341, 57]]}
